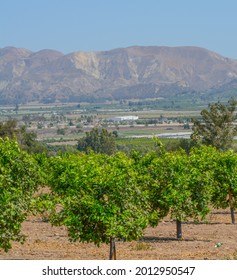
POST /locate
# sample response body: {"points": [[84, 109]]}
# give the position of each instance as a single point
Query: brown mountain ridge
{"points": [[125, 73]]}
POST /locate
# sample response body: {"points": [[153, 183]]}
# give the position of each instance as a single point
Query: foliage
{"points": [[8, 129], [200, 176], [60, 149], [143, 165], [141, 145], [179, 184], [225, 184], [27, 140], [100, 197], [19, 178], [145, 145], [177, 144], [167, 186], [99, 141], [216, 126], [61, 131]]}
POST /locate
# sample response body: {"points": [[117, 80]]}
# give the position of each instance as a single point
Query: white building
{"points": [[123, 118]]}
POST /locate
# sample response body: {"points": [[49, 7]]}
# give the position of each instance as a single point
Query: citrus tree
{"points": [[100, 200], [202, 162], [225, 185], [168, 192], [19, 178], [180, 185], [143, 165]]}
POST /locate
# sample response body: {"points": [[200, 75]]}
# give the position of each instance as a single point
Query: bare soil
{"points": [[199, 242]]}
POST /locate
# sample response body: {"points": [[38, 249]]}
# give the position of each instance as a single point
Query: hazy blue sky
{"points": [[94, 25]]}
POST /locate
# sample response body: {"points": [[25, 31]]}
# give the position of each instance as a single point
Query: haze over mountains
{"points": [[133, 72]]}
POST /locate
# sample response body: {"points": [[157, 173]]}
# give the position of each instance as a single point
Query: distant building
{"points": [[123, 118]]}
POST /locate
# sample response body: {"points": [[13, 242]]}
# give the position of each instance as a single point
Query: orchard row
{"points": [[101, 198]]}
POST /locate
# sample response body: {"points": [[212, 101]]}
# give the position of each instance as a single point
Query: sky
{"points": [[100, 25]]}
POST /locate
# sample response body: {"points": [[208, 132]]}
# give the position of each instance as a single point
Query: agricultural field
{"points": [[59, 126], [65, 123]]}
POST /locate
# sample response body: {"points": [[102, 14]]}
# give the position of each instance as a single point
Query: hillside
{"points": [[133, 72]]}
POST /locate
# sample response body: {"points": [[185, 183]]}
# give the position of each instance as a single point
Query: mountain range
{"points": [[124, 73]]}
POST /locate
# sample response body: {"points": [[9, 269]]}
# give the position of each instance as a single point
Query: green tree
{"points": [[99, 141], [179, 185], [225, 184], [61, 131], [216, 126], [27, 140], [99, 197], [19, 178], [169, 190], [148, 175], [8, 129]]}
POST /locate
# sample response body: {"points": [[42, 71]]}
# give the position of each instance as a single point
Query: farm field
{"points": [[159, 243], [69, 122]]}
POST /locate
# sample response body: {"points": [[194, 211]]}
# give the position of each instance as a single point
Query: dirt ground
{"points": [[199, 242]]}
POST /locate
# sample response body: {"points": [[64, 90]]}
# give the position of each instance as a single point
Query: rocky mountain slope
{"points": [[134, 72]]}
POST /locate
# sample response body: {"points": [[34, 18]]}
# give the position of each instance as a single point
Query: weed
{"points": [[142, 246]]}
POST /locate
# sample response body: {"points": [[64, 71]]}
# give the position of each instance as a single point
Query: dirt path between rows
{"points": [[45, 242]]}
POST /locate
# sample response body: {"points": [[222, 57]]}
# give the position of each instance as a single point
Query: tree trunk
{"points": [[112, 251], [179, 229], [232, 211]]}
